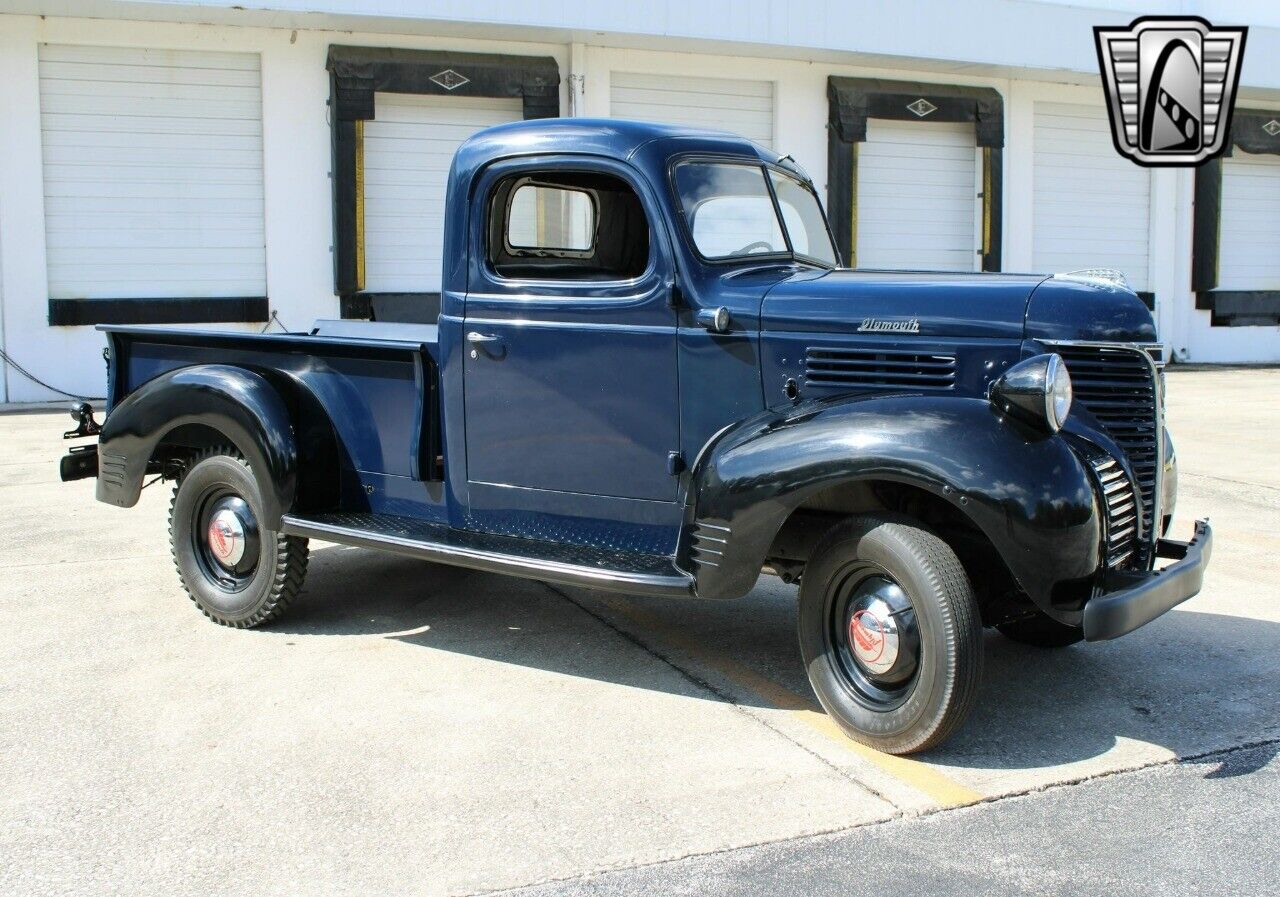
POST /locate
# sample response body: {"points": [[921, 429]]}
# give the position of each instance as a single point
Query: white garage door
{"points": [[1249, 234], [726, 104], [152, 173], [407, 151], [917, 196], [1092, 206]]}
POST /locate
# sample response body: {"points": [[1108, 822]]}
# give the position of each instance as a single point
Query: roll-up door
{"points": [[1249, 233], [918, 203], [727, 104], [152, 172], [408, 148], [1092, 206]]}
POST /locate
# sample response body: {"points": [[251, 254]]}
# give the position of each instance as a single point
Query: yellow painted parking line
{"points": [[928, 780]]}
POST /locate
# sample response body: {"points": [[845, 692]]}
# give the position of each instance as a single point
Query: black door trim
{"points": [[854, 100], [1229, 308], [356, 74]]}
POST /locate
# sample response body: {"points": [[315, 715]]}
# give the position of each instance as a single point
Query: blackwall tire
{"points": [[859, 581], [236, 571], [1041, 632]]}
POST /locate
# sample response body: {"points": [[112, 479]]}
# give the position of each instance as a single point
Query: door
{"points": [[1092, 206], [741, 106], [569, 338], [918, 200], [407, 152], [1249, 230]]}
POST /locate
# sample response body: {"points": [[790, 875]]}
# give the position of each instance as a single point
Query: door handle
{"points": [[476, 336]]}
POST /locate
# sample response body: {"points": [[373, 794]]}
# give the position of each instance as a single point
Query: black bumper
{"points": [[1147, 596]]}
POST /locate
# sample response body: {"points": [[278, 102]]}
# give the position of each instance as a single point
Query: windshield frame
{"points": [[789, 254]]}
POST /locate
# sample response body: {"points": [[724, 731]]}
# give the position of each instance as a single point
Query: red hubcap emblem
{"points": [[866, 636]]}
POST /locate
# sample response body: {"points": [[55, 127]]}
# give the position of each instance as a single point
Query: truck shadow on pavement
{"points": [[1190, 683]]}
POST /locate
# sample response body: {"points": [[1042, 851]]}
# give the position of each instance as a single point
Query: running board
{"points": [[574, 565]]}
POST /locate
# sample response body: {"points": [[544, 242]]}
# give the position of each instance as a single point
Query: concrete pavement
{"points": [[426, 730]]}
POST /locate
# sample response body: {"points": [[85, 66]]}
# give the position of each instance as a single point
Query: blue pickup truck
{"points": [[649, 374]]}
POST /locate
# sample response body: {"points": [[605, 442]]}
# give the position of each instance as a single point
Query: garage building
{"points": [[194, 163]]}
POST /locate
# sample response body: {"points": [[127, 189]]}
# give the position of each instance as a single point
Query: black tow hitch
{"points": [[82, 461]]}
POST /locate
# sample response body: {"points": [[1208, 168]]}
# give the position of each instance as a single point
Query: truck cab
{"points": [[650, 374]]}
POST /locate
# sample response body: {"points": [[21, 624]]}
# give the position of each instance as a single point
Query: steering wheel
{"points": [[757, 246]]}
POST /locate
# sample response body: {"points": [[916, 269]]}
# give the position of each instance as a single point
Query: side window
{"points": [[554, 218], [562, 225]]}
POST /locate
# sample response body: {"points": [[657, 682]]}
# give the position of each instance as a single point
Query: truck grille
{"points": [[1118, 388], [1122, 510], [878, 369]]}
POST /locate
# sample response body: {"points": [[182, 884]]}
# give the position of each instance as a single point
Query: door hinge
{"points": [[675, 463]]}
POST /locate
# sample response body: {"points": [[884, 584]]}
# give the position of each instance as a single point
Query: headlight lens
{"points": [[1037, 391], [1059, 392]]}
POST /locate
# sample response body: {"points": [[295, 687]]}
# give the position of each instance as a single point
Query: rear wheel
{"points": [[890, 633], [236, 571]]}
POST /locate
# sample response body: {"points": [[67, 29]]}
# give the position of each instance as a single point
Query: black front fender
{"points": [[237, 403], [1025, 490]]}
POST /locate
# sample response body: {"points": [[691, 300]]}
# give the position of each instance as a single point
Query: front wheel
{"points": [[890, 633], [238, 572]]}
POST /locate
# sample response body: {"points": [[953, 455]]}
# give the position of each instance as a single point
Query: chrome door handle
{"points": [[475, 336]]}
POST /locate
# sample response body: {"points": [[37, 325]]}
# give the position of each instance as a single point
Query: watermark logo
{"points": [[1171, 84]]}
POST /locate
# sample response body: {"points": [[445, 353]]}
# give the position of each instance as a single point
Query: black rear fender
{"points": [[239, 405], [1024, 490]]}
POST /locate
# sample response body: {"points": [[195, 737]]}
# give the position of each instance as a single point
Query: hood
{"points": [[1063, 309], [939, 304], [888, 302]]}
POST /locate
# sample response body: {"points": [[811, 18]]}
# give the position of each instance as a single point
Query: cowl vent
{"points": [[878, 369]]}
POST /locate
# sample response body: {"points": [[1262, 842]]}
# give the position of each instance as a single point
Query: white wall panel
{"points": [[408, 148], [917, 196], [153, 172], [1092, 206], [741, 106], [1249, 233]]}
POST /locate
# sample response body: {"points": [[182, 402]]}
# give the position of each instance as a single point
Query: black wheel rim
{"points": [[226, 539], [872, 636]]}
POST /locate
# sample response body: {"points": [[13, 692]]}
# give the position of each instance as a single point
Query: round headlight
{"points": [[1037, 390], [1059, 392]]}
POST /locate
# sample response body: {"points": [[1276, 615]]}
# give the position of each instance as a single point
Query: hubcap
{"points": [[875, 636], [226, 538]]}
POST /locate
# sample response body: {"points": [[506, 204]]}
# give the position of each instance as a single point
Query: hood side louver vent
{"points": [[843, 368]]}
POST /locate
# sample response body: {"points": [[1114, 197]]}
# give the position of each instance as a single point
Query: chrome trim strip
{"points": [[491, 561]]}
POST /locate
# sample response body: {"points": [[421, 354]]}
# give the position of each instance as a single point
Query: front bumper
{"points": [[1144, 596]]}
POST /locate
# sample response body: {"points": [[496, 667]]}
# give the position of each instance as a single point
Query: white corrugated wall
{"points": [[408, 147], [153, 176], [1092, 206], [1249, 233], [741, 106], [917, 196]]}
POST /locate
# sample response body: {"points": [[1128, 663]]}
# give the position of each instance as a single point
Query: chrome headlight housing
{"points": [[1037, 391]]}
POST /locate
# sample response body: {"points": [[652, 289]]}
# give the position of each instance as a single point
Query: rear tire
{"points": [[1041, 632], [890, 633], [237, 572]]}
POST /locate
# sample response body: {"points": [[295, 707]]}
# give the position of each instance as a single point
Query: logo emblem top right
{"points": [[1171, 85]]}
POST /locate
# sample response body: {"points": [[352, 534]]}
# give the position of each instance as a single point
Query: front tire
{"points": [[236, 571], [890, 633]]}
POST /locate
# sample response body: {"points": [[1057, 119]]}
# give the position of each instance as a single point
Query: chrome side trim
{"points": [[632, 582]]}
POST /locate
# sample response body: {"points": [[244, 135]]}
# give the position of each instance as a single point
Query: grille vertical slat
{"points": [[1116, 385]]}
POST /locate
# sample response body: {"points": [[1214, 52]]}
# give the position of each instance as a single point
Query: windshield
{"points": [[731, 212]]}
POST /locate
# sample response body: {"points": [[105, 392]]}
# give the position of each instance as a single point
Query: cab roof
{"points": [[616, 138]]}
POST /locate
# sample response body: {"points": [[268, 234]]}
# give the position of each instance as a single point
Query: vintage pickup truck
{"points": [[649, 374]]}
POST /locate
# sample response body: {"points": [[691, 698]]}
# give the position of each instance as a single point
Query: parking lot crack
{"points": [[722, 695]]}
